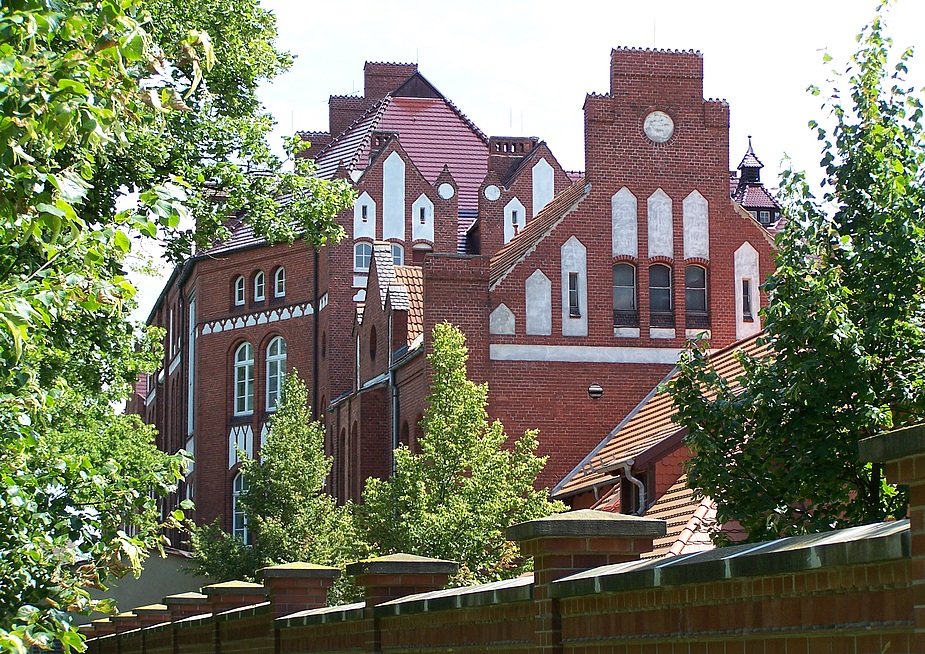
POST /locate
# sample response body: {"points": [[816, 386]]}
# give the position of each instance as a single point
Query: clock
{"points": [[658, 126]]}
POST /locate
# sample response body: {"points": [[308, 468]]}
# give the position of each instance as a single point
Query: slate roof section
{"points": [[536, 230], [411, 278], [647, 427]]}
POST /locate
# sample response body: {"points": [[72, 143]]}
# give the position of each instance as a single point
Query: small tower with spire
{"points": [[746, 189]]}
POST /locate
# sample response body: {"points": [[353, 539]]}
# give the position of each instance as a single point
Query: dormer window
{"points": [[764, 217]]}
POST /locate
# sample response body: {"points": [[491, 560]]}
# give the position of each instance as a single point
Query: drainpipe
{"points": [[395, 405], [628, 473], [316, 410]]}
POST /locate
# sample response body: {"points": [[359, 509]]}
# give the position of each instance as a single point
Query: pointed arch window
{"points": [[244, 380], [276, 371]]}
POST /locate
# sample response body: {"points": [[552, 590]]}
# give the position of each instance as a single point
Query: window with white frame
{"points": [[260, 286], [239, 518], [574, 296], [239, 291], [276, 371], [279, 282], [362, 255], [244, 380], [398, 254]]}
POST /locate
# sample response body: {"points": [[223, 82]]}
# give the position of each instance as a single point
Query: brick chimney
{"points": [[379, 79]]}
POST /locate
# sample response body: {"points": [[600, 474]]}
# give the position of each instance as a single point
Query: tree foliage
{"points": [[456, 497], [845, 325], [288, 512], [99, 98]]}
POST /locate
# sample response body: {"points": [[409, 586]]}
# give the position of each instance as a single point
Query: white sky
{"points": [[523, 68]]}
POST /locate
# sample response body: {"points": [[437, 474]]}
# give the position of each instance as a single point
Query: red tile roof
{"points": [[411, 278], [537, 229], [688, 520], [646, 427], [432, 131], [755, 197]]}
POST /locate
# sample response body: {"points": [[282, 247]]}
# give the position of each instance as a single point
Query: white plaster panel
{"points": [[424, 231], [538, 304], [242, 438], [543, 185], [583, 354], [359, 281], [746, 267], [365, 229], [696, 226], [574, 257], [661, 229], [624, 224], [510, 221], [661, 332], [697, 333], [502, 321], [393, 198], [626, 332]]}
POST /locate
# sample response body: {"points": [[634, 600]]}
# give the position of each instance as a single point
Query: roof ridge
{"points": [[375, 106], [521, 164]]}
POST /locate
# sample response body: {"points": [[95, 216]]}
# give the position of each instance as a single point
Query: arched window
{"points": [[695, 289], [279, 282], [239, 291], [362, 255], [276, 371], [624, 296], [239, 519], [660, 289], [260, 286], [244, 380], [398, 254]]}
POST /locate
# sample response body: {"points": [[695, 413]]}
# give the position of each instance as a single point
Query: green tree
{"points": [[288, 512], [845, 326], [92, 107], [455, 499]]}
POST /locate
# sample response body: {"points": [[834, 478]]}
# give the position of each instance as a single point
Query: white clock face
{"points": [[658, 126]]}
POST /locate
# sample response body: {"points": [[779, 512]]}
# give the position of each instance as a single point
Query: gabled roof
{"points": [[385, 268], [536, 230], [750, 160], [411, 280], [648, 429], [521, 165], [688, 521]]}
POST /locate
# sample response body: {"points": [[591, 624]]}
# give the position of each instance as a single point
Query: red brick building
{"points": [[576, 291]]}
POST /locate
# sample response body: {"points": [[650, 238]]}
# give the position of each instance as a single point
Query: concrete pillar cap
{"points": [[233, 588], [587, 523], [299, 569], [393, 564]]}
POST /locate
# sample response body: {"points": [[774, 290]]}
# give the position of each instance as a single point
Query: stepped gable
{"points": [[649, 428], [411, 279], [536, 230]]}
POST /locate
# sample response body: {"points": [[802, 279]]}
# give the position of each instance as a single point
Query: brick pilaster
{"points": [[572, 542], [184, 605], [233, 595], [903, 453]]}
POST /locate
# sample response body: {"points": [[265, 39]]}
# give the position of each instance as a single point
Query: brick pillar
{"points": [[184, 605], [903, 452], [572, 542], [152, 614], [298, 586], [233, 595], [126, 621], [397, 575]]}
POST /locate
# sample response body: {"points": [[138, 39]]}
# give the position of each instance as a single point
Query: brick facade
{"points": [[509, 247]]}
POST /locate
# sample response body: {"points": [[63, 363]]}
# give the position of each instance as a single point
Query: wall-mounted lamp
{"points": [[595, 391]]}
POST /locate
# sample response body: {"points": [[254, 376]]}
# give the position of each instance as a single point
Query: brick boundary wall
{"points": [[853, 590]]}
